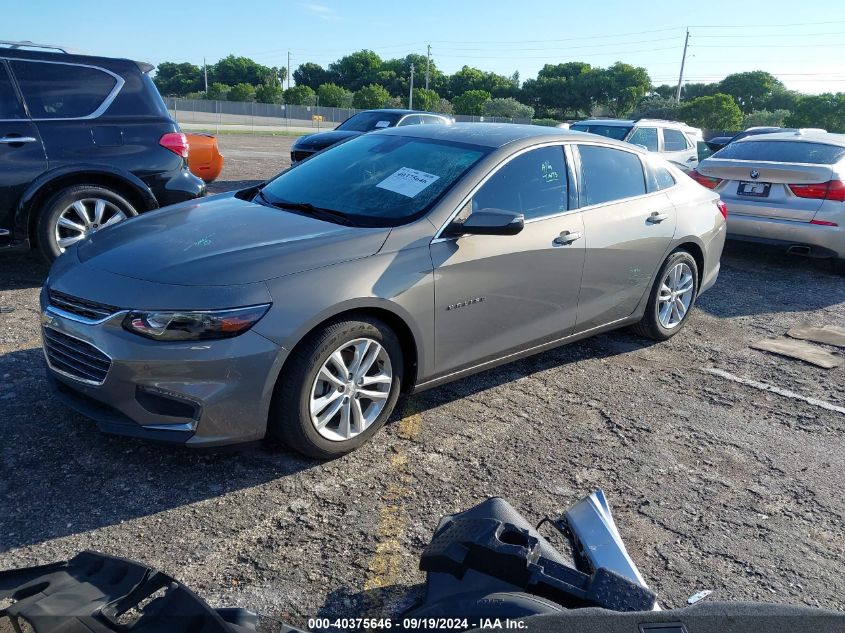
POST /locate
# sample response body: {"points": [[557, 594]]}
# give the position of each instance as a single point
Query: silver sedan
{"points": [[786, 189], [396, 261]]}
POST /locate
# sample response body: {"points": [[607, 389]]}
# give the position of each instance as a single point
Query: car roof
{"points": [[402, 111], [798, 136], [58, 55], [632, 122], [496, 135]]}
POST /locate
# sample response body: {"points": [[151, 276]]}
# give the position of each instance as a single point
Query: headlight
{"points": [[187, 325]]}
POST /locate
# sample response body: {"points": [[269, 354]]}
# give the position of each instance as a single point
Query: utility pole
{"points": [[205, 72], [681, 76], [428, 67], [288, 73], [411, 91]]}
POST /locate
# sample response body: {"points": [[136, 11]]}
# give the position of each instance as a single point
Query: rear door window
{"points": [[783, 152], [432, 120], [412, 119], [534, 184], [609, 174], [62, 91], [674, 141], [645, 136], [10, 107]]}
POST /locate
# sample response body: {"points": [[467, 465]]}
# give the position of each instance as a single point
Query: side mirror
{"points": [[488, 222]]}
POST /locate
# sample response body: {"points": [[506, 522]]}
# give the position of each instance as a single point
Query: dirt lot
{"points": [[715, 484]]}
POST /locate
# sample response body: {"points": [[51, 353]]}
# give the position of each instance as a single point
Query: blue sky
{"points": [[790, 39]]}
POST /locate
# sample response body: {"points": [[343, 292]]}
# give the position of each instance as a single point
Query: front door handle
{"points": [[17, 139], [692, 159], [657, 218], [567, 237]]}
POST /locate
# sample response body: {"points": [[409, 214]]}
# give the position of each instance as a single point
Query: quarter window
{"points": [[674, 141], [609, 174], [10, 107], [412, 119], [534, 184], [645, 136], [62, 91], [659, 178]]}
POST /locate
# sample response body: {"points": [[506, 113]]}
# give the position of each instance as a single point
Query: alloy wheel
{"points": [[351, 389], [84, 217], [675, 296]]}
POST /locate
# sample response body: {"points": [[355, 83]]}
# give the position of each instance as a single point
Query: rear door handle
{"points": [[17, 139], [657, 218], [567, 237]]}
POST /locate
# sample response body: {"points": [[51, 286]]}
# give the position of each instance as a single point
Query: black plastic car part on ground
{"points": [[85, 142]]}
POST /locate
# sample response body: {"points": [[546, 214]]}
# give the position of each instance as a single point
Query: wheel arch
{"points": [[39, 191], [697, 252]]}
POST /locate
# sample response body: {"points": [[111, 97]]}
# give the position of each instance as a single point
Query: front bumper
{"points": [[200, 393], [823, 241]]}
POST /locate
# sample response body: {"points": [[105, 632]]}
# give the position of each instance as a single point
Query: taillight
{"points": [[707, 181], [831, 190], [723, 208], [176, 142]]}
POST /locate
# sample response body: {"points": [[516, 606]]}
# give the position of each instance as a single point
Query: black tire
{"points": [[650, 326], [290, 414], [48, 216]]}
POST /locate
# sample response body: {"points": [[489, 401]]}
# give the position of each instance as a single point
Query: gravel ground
{"points": [[714, 484]]}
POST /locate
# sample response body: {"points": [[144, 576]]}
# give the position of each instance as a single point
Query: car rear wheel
{"points": [[74, 213], [672, 298], [338, 388]]}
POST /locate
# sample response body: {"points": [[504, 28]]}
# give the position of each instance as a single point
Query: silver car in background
{"points": [[786, 189], [399, 260]]}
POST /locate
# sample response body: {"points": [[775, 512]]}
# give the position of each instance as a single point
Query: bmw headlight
{"points": [[190, 325]]}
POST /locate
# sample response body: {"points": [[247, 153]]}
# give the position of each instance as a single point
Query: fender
{"points": [[22, 213]]}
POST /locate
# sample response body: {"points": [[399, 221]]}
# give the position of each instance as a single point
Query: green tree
{"points": [[665, 91], [825, 111], [355, 71], [765, 118], [468, 78], [217, 92], [300, 95], [333, 96], [471, 102], [444, 106], [562, 90], [242, 92], [425, 99], [270, 92], [508, 108], [696, 90], [621, 87], [781, 100], [751, 89], [311, 75], [719, 112], [657, 108], [372, 96], [232, 70], [178, 79]]}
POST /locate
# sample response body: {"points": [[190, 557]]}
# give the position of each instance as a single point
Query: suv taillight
{"points": [[830, 190], [723, 208], [176, 142], [707, 181]]}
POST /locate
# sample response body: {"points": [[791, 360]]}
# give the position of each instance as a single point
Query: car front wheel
{"points": [[672, 298], [74, 213], [338, 388]]}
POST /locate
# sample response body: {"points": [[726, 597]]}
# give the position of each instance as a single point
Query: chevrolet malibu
{"points": [[394, 262]]}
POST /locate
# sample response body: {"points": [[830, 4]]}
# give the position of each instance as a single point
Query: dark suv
{"points": [[85, 142]]}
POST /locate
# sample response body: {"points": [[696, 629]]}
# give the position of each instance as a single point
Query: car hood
{"points": [[224, 241], [322, 140]]}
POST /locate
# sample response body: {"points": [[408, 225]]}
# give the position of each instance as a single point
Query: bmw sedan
{"points": [[786, 189], [362, 123], [397, 261]]}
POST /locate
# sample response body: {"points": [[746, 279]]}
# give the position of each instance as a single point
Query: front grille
{"points": [[298, 155], [74, 357], [81, 307]]}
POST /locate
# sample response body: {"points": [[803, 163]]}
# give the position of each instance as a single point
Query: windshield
{"points": [[618, 132], [376, 180], [369, 121], [783, 152]]}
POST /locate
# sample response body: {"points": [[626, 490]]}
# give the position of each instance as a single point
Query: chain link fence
{"points": [[258, 117]]}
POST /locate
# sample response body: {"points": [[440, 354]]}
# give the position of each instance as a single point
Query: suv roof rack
{"points": [[29, 45]]}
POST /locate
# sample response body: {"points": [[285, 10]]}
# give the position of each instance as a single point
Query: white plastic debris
{"points": [[697, 597]]}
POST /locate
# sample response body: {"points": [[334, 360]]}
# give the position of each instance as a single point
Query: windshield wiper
{"points": [[330, 215]]}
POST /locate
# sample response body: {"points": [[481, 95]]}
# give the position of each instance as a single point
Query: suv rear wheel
{"points": [[73, 213]]}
